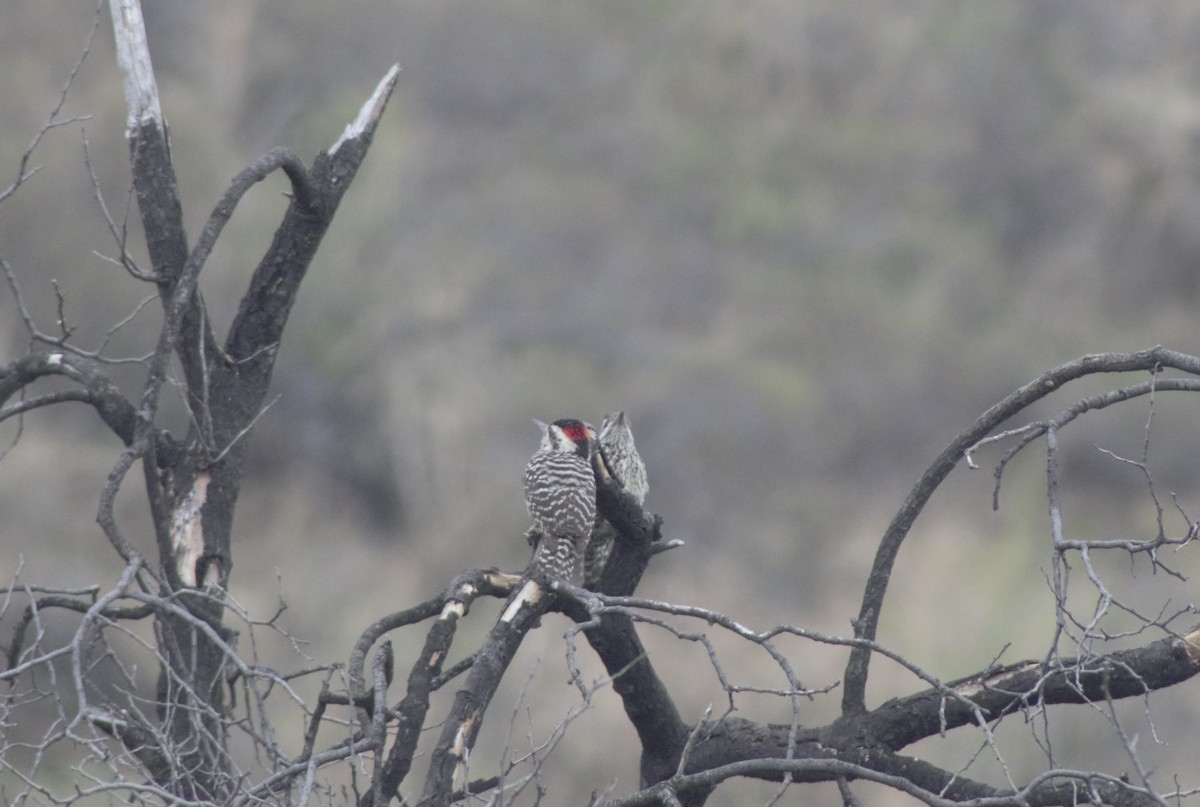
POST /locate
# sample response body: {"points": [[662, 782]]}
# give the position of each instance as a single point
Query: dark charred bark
{"points": [[643, 694], [192, 484], [423, 678], [869, 741], [530, 600]]}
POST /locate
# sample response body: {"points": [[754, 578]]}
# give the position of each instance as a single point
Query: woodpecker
{"points": [[615, 449], [560, 490]]}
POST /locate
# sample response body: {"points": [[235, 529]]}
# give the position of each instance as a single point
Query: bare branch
{"points": [[254, 173], [120, 234], [133, 59], [525, 606], [24, 172], [183, 743], [855, 681], [370, 113], [97, 390], [1032, 431]]}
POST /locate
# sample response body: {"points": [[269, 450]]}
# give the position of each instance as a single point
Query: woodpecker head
{"points": [[568, 436], [615, 427], [615, 445]]}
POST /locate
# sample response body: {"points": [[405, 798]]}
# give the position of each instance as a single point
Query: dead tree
{"points": [[191, 481], [187, 741], [683, 762]]}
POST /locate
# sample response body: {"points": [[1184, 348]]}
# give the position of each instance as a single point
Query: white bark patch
{"points": [[187, 531], [133, 60], [460, 750], [530, 594], [371, 110]]}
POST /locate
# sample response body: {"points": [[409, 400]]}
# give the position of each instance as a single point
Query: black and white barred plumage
{"points": [[620, 456], [560, 490]]}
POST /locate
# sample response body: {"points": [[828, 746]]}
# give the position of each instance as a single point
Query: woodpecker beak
{"points": [[545, 427]]}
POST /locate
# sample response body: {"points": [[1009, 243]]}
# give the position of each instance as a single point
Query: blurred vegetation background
{"points": [[801, 244]]}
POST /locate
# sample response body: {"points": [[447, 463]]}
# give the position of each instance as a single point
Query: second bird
{"points": [[620, 456]]}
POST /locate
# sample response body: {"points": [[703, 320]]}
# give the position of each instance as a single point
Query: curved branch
{"points": [[49, 399], [358, 655], [866, 624], [463, 589], [17, 644], [114, 409], [264, 308], [117, 412], [251, 175]]}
